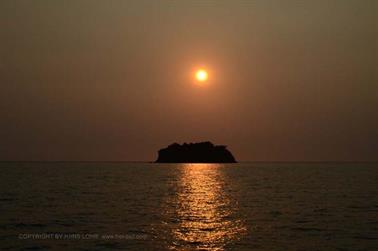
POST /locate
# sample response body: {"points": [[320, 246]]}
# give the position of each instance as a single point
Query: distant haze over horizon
{"points": [[113, 80]]}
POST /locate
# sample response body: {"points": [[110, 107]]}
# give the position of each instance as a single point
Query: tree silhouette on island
{"points": [[202, 152]]}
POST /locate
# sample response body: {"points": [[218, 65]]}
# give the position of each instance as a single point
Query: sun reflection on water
{"points": [[205, 213]]}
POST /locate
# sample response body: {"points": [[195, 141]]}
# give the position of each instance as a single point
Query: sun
{"points": [[201, 75]]}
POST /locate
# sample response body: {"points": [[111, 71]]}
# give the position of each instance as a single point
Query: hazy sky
{"points": [[113, 80]]}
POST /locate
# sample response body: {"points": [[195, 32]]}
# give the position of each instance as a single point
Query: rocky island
{"points": [[203, 152]]}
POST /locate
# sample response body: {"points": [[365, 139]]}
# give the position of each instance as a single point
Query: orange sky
{"points": [[113, 80]]}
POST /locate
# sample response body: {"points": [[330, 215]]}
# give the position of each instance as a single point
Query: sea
{"points": [[147, 206]]}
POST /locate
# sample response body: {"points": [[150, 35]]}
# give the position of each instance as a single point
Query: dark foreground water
{"points": [[135, 206]]}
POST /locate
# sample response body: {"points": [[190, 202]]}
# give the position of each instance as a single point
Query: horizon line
{"points": [[145, 161]]}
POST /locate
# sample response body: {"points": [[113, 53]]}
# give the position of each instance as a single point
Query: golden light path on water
{"points": [[205, 213]]}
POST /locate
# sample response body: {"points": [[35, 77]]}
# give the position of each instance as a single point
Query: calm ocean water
{"points": [[141, 206]]}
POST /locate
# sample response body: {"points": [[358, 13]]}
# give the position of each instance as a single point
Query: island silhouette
{"points": [[202, 152]]}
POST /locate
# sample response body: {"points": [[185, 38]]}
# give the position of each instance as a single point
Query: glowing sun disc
{"points": [[201, 75]]}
